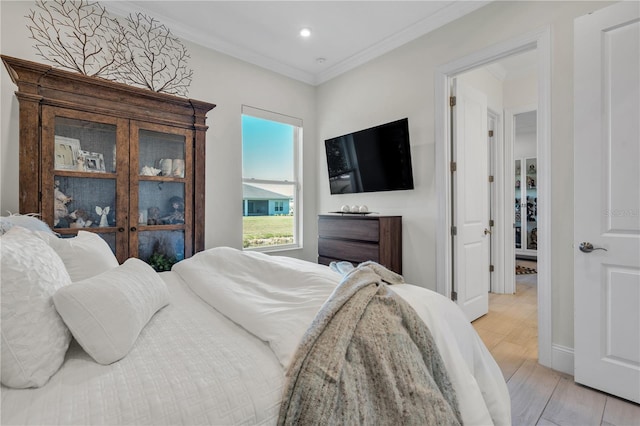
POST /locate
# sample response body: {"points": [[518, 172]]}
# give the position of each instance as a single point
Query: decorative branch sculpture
{"points": [[74, 35], [152, 57], [80, 36]]}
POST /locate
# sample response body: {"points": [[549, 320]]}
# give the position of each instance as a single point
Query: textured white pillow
{"points": [[106, 313], [29, 221], [85, 255], [34, 338]]}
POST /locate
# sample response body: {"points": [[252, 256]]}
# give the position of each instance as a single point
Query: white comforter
{"points": [[276, 298], [198, 364]]}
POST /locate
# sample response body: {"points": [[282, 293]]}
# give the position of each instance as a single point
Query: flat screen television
{"points": [[371, 160]]}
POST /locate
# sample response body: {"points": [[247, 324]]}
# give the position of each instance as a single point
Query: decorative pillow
{"points": [[85, 255], [29, 221], [34, 337], [106, 313]]}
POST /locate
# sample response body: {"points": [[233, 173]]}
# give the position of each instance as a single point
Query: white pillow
{"points": [[106, 313], [29, 221], [85, 255], [34, 338]]}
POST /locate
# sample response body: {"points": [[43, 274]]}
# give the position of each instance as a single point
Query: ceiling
{"points": [[345, 34]]}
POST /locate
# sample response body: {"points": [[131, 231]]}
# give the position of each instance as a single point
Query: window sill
{"points": [[274, 249]]}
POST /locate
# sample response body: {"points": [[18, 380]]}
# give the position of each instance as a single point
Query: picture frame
{"points": [[66, 153], [92, 161]]}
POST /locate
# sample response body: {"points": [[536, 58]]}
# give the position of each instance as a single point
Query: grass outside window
{"points": [[262, 231]]}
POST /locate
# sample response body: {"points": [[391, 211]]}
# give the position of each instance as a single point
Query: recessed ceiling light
{"points": [[305, 32], [320, 60]]}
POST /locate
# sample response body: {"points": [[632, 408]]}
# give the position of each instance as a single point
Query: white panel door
{"points": [[607, 200], [470, 201]]}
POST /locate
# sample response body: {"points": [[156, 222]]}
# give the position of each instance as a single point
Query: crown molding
{"points": [[123, 8], [442, 17]]}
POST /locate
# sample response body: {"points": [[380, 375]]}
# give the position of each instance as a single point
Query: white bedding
{"points": [[192, 365], [275, 298]]}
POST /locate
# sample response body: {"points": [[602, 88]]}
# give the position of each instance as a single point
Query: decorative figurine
{"points": [[60, 202], [103, 212], [81, 219], [153, 216], [80, 164], [177, 216], [178, 168], [149, 171], [166, 166]]}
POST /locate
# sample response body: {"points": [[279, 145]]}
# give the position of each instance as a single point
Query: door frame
{"points": [[497, 201], [509, 241], [540, 40]]}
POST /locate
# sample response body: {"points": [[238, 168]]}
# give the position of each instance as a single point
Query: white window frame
{"points": [[297, 175]]}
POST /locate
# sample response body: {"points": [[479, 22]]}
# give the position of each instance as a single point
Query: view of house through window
{"points": [[270, 189]]}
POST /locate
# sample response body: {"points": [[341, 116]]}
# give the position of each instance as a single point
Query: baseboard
{"points": [[562, 359]]}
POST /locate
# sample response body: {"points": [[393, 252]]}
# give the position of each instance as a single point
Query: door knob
{"points": [[588, 247], [486, 231]]}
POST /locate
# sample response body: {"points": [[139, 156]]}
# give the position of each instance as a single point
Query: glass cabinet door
{"points": [[80, 187], [532, 203], [161, 195], [518, 203]]}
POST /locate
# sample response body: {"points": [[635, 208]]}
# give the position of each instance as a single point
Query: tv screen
{"points": [[370, 160]]}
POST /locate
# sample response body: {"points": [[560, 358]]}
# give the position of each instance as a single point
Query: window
{"points": [[270, 180]]}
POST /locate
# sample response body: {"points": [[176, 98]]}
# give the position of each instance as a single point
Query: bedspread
{"points": [[217, 353], [276, 299], [368, 359]]}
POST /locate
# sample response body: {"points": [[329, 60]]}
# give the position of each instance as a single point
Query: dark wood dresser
{"points": [[358, 238]]}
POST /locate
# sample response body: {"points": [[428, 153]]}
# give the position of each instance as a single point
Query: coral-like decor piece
{"points": [[82, 37]]}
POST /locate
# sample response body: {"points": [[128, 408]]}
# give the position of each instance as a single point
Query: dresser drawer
{"points": [[352, 251], [350, 229]]}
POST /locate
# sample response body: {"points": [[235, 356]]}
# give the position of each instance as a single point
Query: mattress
{"points": [[190, 365]]}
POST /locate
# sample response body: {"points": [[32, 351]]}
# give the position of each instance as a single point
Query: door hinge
{"points": [[453, 166], [454, 295], [454, 230], [452, 101], [491, 223], [490, 268], [490, 133], [490, 178]]}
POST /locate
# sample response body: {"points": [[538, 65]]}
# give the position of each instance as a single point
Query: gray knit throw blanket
{"points": [[368, 359]]}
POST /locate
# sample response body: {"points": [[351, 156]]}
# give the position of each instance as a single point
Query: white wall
{"points": [[401, 83], [481, 79], [520, 92], [219, 79], [524, 145]]}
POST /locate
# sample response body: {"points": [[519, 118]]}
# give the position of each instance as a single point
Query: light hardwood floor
{"points": [[539, 395]]}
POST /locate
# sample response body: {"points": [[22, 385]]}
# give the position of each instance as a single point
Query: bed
{"points": [[217, 351]]}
